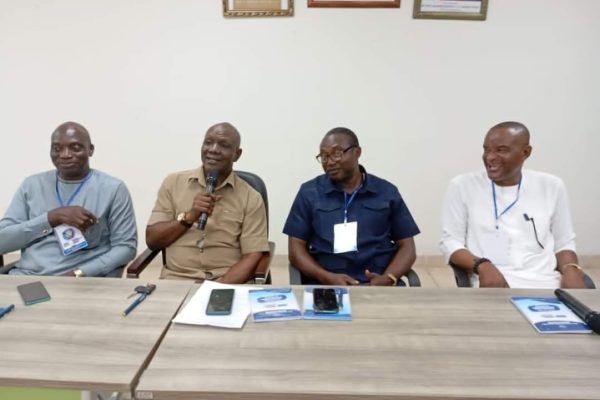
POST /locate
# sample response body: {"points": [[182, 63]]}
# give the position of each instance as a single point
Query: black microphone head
{"points": [[211, 180], [212, 175], [593, 321], [526, 217]]}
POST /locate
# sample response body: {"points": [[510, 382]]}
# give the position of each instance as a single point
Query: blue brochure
{"points": [[344, 312], [273, 304], [549, 315]]}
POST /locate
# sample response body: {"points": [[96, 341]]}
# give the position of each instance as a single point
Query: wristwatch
{"points": [[181, 219], [477, 262], [78, 273]]}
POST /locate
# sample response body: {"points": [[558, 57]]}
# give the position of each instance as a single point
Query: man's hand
{"points": [[572, 278], [75, 216], [203, 203], [378, 280], [340, 280], [490, 277]]}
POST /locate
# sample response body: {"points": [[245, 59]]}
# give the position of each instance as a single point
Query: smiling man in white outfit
{"points": [[507, 226]]}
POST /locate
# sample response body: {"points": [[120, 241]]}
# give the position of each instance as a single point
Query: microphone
{"points": [[211, 182], [592, 318]]}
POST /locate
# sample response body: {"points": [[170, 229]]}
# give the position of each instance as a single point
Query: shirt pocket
{"points": [[325, 216], [374, 218], [225, 227]]}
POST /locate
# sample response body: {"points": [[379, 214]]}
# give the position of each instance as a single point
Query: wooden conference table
{"points": [[412, 343], [79, 339]]}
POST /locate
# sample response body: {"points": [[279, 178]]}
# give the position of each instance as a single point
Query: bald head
{"points": [[70, 150], [220, 149], [517, 130], [73, 128], [505, 149], [230, 130]]}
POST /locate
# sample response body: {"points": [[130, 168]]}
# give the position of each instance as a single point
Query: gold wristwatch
{"points": [[78, 273], [181, 219]]}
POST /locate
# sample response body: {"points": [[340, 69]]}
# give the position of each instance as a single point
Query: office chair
{"points": [[261, 273], [462, 278], [296, 277]]}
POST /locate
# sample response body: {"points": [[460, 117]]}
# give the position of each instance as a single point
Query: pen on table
{"points": [[135, 303], [6, 310], [340, 298]]}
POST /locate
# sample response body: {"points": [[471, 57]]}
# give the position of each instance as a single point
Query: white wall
{"points": [[147, 78]]}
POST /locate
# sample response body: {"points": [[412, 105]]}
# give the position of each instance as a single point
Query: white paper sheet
{"points": [[194, 312]]}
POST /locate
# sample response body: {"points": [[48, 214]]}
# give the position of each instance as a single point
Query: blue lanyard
{"points": [[70, 200], [348, 201], [509, 206]]}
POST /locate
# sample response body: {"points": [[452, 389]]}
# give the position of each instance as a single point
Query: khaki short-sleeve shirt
{"points": [[237, 226]]}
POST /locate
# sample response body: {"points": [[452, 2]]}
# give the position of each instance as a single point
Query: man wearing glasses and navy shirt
{"points": [[508, 226], [348, 227]]}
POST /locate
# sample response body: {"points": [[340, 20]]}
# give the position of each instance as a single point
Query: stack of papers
{"points": [[194, 312], [549, 315]]}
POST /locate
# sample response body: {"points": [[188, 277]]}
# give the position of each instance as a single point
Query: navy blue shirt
{"points": [[382, 217]]}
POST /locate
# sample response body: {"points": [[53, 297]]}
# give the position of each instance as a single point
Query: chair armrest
{"points": [[262, 273], [5, 268], [141, 262], [589, 283], [413, 278], [295, 276], [461, 276]]}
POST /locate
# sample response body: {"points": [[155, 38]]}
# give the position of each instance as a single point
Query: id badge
{"points": [[496, 247], [70, 239], [344, 237]]}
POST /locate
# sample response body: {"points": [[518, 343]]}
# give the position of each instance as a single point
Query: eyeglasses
{"points": [[334, 156]]}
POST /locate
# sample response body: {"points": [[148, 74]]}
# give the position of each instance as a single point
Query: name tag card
{"points": [[344, 237], [70, 239]]}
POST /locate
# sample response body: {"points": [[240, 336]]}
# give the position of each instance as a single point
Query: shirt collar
{"points": [[367, 186]]}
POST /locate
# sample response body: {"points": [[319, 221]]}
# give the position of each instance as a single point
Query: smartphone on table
{"points": [[33, 292], [220, 302], [325, 300]]}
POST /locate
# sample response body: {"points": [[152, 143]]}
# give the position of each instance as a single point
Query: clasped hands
{"points": [[344, 279]]}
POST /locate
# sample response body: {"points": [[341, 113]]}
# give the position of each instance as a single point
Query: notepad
{"points": [[274, 304], [549, 315], [33, 293]]}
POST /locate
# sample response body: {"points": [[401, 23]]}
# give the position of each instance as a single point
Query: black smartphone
{"points": [[33, 292], [325, 300], [220, 302]]}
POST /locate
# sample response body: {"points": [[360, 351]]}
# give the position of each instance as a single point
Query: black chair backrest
{"points": [[259, 185]]}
